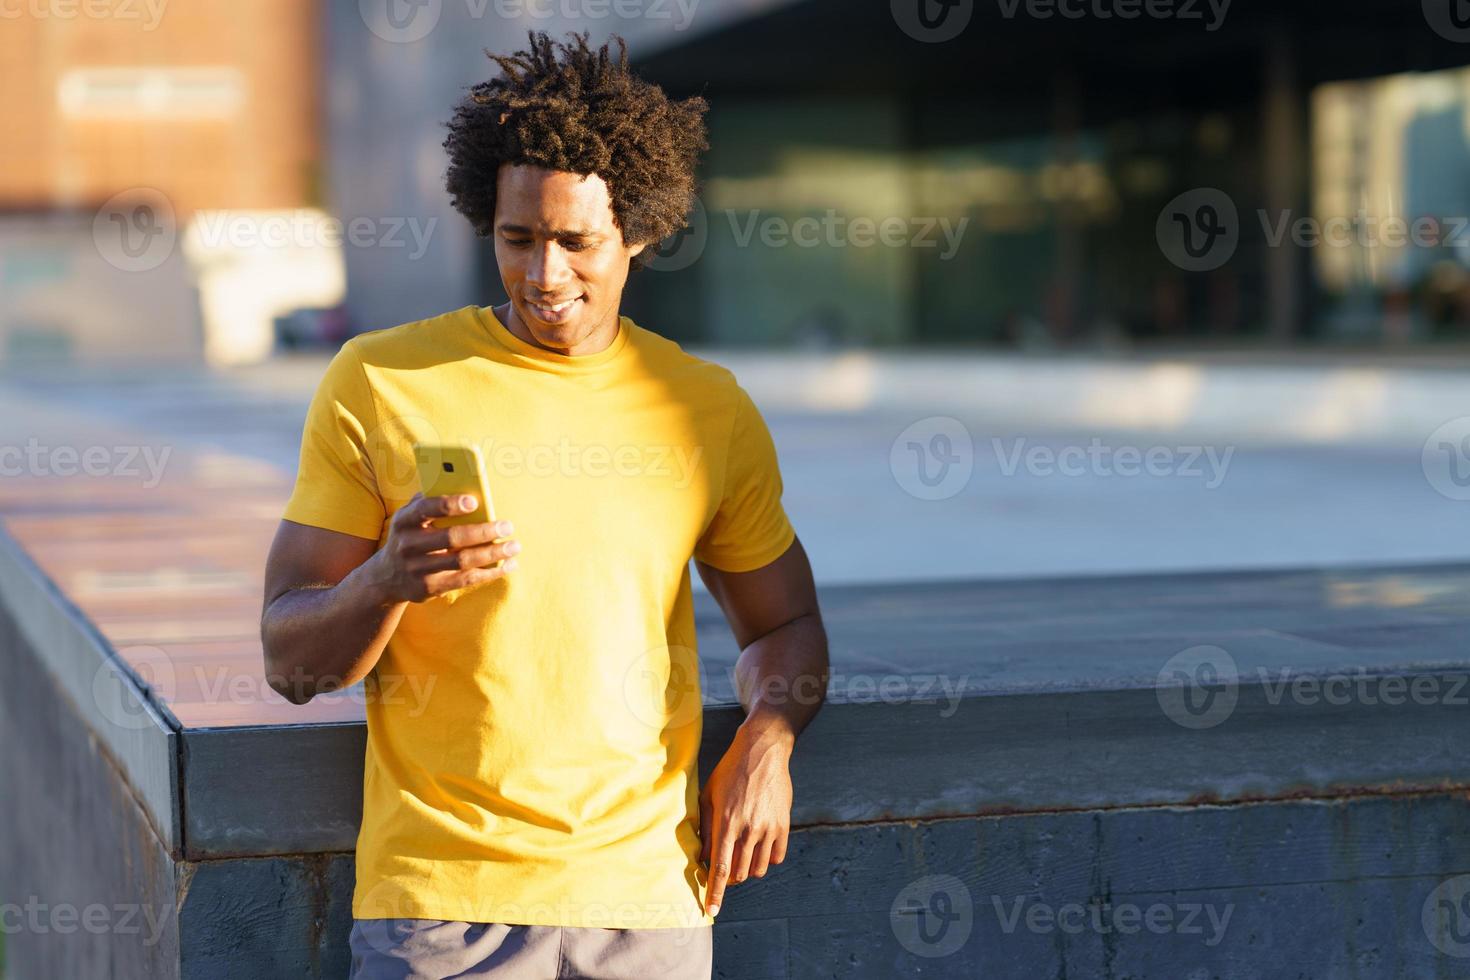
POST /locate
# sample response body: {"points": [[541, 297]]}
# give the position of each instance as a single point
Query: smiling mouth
{"points": [[552, 311]]}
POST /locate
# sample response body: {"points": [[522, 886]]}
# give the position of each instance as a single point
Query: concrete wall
{"points": [[1058, 808], [87, 887]]}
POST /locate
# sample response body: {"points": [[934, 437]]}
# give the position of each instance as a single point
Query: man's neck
{"points": [[599, 340]]}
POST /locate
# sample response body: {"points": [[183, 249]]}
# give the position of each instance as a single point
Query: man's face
{"points": [[562, 258]]}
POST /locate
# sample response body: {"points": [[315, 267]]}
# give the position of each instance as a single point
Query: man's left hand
{"points": [[745, 809]]}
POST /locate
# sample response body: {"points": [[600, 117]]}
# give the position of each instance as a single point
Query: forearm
{"points": [[781, 679], [321, 638]]}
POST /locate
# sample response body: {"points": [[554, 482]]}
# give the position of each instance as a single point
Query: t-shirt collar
{"points": [[540, 357]]}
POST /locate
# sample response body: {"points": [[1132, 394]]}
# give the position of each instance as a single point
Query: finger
{"points": [[719, 872], [744, 850], [760, 857], [706, 829], [778, 846], [429, 539], [466, 558], [428, 508], [403, 517], [449, 581]]}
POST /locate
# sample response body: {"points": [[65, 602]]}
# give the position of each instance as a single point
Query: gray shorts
{"points": [[432, 949]]}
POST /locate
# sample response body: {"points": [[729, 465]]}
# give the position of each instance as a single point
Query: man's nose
{"points": [[548, 266]]}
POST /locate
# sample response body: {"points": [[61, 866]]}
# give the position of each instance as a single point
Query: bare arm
{"points": [[781, 679], [332, 600]]}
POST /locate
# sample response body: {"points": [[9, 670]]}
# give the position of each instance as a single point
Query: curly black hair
{"points": [[586, 113]]}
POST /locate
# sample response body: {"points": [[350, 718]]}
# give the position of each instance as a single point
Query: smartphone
{"points": [[452, 469]]}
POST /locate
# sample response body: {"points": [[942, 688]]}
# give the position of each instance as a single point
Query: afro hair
{"points": [[584, 112]]}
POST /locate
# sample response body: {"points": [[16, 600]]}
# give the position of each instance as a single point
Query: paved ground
{"points": [[1035, 502]]}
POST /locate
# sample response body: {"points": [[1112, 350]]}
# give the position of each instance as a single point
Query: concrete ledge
{"points": [[1195, 397], [135, 729], [1285, 744]]}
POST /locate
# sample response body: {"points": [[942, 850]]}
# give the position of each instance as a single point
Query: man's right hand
{"points": [[419, 561]]}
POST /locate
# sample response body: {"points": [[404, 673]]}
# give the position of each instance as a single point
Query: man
{"points": [[531, 804]]}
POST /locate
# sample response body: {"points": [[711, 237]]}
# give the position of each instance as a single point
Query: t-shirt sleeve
{"points": [[750, 529], [335, 486]]}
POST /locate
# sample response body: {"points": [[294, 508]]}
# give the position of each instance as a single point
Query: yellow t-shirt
{"points": [[532, 752]]}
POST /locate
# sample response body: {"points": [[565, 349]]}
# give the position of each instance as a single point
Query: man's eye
{"points": [[517, 242], [576, 246]]}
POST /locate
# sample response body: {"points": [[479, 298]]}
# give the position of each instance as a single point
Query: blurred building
{"points": [[1028, 173], [212, 103], [125, 122], [1027, 162]]}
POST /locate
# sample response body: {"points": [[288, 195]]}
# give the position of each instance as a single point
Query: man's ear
{"points": [[634, 250]]}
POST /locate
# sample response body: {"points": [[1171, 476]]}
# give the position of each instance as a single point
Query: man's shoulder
{"points": [[407, 344], [670, 357]]}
